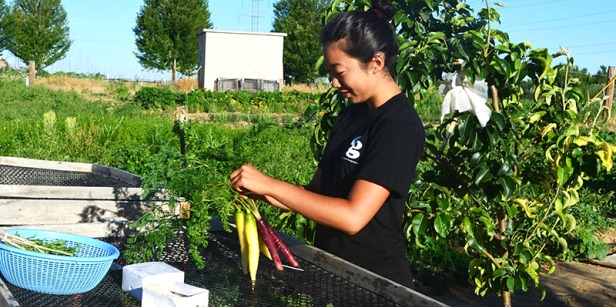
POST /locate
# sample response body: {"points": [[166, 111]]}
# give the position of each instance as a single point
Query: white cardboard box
{"points": [[174, 294], [137, 276]]}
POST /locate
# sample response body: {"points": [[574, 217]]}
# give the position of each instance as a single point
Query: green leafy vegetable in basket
{"points": [[58, 247]]}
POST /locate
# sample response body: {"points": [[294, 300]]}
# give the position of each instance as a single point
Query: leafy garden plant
{"points": [[505, 191]]}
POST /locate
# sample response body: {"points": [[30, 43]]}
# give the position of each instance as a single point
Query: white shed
{"points": [[230, 60]]}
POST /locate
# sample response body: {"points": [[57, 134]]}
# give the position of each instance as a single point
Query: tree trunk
{"points": [[494, 92], [506, 298], [173, 69], [31, 73]]}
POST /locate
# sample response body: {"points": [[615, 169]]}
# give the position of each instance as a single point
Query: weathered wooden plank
{"points": [[46, 164], [94, 229], [131, 179], [53, 211], [6, 297], [127, 177], [69, 192]]}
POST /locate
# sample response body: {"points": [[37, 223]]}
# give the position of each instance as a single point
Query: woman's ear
{"points": [[378, 62]]}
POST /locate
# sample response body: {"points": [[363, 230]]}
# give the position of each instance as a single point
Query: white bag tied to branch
{"points": [[462, 96]]}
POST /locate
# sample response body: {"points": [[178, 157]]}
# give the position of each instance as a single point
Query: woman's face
{"points": [[352, 78]]}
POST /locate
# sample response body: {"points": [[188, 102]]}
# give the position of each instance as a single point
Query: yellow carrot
{"points": [[252, 240], [240, 220], [264, 250]]}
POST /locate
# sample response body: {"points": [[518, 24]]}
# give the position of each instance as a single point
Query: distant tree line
{"points": [[34, 30], [166, 36]]}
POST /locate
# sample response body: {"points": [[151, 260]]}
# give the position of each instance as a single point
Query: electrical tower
{"points": [[255, 15]]}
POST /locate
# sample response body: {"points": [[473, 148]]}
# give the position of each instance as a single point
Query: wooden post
{"points": [[31, 73], [608, 95]]}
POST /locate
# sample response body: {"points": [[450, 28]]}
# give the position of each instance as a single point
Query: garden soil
{"points": [[573, 284]]}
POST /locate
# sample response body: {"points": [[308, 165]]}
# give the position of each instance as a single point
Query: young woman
{"points": [[357, 195]]}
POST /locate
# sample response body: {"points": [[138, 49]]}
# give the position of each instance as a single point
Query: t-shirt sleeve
{"points": [[394, 151]]}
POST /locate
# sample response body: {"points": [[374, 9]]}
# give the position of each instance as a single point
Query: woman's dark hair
{"points": [[364, 33]]}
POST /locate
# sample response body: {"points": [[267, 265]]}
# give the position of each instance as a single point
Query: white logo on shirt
{"points": [[353, 151]]}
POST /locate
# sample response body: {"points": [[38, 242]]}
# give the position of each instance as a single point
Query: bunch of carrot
{"points": [[257, 236]]}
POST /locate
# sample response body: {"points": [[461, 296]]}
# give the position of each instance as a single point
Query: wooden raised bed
{"points": [[45, 195]]}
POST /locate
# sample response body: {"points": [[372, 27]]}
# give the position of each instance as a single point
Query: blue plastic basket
{"points": [[56, 274]]}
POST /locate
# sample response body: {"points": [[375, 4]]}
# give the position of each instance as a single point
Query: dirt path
{"points": [[573, 284]]}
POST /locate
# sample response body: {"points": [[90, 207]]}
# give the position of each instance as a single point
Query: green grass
{"points": [[41, 123]]}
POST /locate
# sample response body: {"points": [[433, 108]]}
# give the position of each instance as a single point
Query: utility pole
{"points": [[609, 92]]}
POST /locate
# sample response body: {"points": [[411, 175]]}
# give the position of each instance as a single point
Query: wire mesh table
{"points": [[324, 280]]}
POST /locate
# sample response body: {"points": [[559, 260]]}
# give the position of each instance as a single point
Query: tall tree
{"points": [[37, 30], [302, 20], [166, 34], [3, 21]]}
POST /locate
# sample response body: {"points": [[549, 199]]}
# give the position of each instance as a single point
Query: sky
{"points": [[104, 42]]}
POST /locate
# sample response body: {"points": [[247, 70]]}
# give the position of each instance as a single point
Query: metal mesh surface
{"points": [[223, 277], [17, 175]]}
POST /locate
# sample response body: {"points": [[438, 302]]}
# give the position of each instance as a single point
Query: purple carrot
{"points": [[269, 242], [280, 244]]}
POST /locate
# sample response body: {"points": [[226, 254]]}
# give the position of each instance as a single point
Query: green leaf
{"points": [[570, 223], [542, 290], [525, 256], [500, 273], [475, 141], [474, 267], [420, 224], [474, 243], [563, 244], [532, 271], [511, 284], [464, 130], [563, 175], [504, 169], [552, 264], [483, 175], [498, 119], [508, 186], [577, 152], [476, 158], [518, 248], [441, 225], [512, 209], [524, 284], [501, 66], [467, 225], [443, 202], [493, 137], [489, 225]]}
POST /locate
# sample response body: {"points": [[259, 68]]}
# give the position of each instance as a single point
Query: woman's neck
{"points": [[384, 92]]}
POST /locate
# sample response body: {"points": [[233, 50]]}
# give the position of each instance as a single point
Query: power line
{"points": [[566, 26], [516, 6], [593, 45], [560, 19], [596, 52]]}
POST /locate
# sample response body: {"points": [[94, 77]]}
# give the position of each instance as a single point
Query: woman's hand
{"points": [[249, 180]]}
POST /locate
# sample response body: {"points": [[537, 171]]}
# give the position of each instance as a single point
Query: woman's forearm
{"points": [[349, 215]]}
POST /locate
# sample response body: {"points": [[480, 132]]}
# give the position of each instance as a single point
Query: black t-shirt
{"points": [[382, 146]]}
